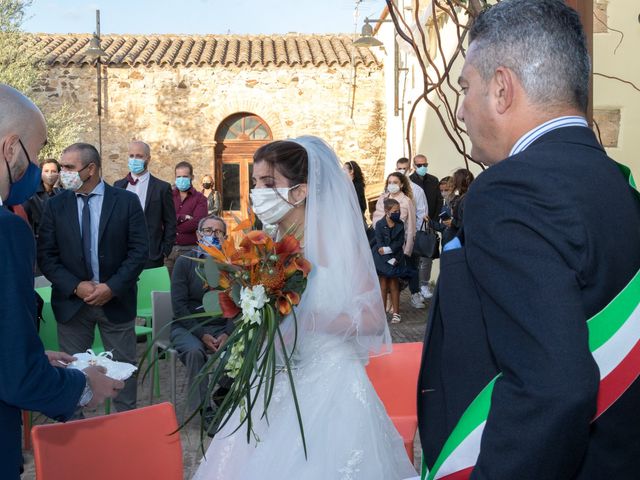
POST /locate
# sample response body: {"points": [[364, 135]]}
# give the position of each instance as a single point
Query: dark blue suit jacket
{"points": [[27, 380], [123, 250], [160, 214], [536, 263]]}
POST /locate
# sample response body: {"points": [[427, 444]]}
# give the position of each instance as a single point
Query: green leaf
{"points": [[211, 303], [235, 293], [212, 272]]}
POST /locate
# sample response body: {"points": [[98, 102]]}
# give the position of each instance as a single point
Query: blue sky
{"points": [[199, 16]]}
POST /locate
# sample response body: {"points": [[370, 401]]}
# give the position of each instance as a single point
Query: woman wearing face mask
{"points": [[214, 203], [300, 187], [399, 188], [47, 189]]}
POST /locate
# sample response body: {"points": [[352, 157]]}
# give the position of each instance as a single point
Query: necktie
{"points": [[86, 234], [131, 180]]}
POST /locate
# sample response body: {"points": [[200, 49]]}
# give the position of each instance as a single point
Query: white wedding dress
{"points": [[341, 322]]}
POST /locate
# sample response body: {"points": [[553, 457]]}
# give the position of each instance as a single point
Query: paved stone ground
{"points": [[411, 329]]}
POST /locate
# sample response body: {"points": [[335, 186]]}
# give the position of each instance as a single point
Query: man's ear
{"points": [[9, 146], [503, 89]]}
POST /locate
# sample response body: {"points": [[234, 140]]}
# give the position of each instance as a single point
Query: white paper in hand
{"points": [[115, 370]]}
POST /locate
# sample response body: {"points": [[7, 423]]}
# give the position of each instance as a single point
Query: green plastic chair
{"points": [[150, 280]]}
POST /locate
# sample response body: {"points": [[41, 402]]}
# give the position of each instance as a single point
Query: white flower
{"points": [[255, 297]]}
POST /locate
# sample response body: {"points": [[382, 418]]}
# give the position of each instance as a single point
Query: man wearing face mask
{"points": [[28, 379], [93, 245], [431, 187], [193, 338], [156, 200], [419, 293], [191, 207]]}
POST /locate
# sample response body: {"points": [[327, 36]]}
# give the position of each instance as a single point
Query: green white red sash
{"points": [[614, 341]]}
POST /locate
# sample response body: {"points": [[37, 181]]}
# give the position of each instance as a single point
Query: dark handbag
{"points": [[427, 243]]}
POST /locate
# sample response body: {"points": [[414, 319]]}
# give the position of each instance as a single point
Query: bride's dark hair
{"points": [[288, 158]]}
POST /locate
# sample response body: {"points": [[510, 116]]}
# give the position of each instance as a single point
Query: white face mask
{"points": [[71, 180], [393, 188], [270, 205]]}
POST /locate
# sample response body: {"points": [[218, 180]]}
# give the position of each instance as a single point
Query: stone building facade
{"points": [[212, 100]]}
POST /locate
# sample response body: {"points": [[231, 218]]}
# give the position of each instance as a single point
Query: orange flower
{"points": [[245, 224], [288, 246], [214, 253], [303, 265], [224, 281], [227, 305], [284, 307], [286, 301]]}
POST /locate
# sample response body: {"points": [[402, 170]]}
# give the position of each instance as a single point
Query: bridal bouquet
{"points": [[257, 282]]}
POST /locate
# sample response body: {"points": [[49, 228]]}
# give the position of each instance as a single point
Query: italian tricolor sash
{"points": [[614, 341]]}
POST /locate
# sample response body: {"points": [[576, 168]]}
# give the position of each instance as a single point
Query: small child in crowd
{"points": [[388, 255]]}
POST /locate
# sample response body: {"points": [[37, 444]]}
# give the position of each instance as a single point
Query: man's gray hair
{"points": [[88, 153], [212, 217], [542, 41], [145, 147]]}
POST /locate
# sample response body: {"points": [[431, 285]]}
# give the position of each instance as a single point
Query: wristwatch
{"points": [[87, 393]]}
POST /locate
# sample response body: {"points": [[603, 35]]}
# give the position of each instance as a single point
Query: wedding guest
{"points": [[93, 245], [191, 207], [354, 172], [388, 255], [30, 378], [397, 186], [460, 182], [214, 201], [429, 184], [48, 188], [194, 338], [419, 293], [156, 201]]}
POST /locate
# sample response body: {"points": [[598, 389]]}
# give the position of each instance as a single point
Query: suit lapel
{"points": [[107, 207], [74, 222], [150, 189]]}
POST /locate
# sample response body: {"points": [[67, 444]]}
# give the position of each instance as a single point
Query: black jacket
{"points": [[160, 215], [123, 249], [431, 187], [534, 266]]}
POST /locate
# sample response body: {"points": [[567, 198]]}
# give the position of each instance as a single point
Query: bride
{"points": [[301, 187]]}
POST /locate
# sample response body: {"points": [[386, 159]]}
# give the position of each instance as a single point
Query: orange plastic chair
{"points": [[395, 378], [136, 444]]}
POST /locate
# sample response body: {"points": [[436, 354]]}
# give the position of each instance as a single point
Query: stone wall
{"points": [[177, 110]]}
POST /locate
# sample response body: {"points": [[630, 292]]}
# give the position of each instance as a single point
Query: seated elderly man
{"points": [[193, 338]]}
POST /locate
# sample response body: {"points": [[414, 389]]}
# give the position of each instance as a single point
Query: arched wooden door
{"points": [[237, 138]]}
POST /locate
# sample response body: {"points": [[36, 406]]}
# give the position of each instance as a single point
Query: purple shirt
{"points": [[193, 206]]}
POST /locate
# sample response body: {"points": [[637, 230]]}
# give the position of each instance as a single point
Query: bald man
{"points": [[30, 378], [156, 200]]}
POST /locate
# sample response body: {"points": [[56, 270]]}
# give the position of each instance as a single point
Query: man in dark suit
{"points": [[28, 379], [156, 200], [93, 245], [532, 263]]}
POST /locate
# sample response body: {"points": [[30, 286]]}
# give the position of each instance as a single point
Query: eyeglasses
{"points": [[212, 231]]}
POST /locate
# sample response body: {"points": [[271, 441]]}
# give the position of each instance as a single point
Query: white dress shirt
{"points": [[140, 188], [95, 207], [420, 202]]}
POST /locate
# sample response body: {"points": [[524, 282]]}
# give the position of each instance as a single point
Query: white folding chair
{"points": [[162, 312]]}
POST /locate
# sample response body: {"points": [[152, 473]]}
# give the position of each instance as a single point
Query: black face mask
{"points": [[207, 186], [394, 217]]}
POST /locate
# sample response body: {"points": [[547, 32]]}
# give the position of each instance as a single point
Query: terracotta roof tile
{"points": [[239, 50]]}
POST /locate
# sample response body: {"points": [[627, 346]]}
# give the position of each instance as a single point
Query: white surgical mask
{"points": [[71, 180], [402, 171], [270, 205], [50, 178], [393, 188]]}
